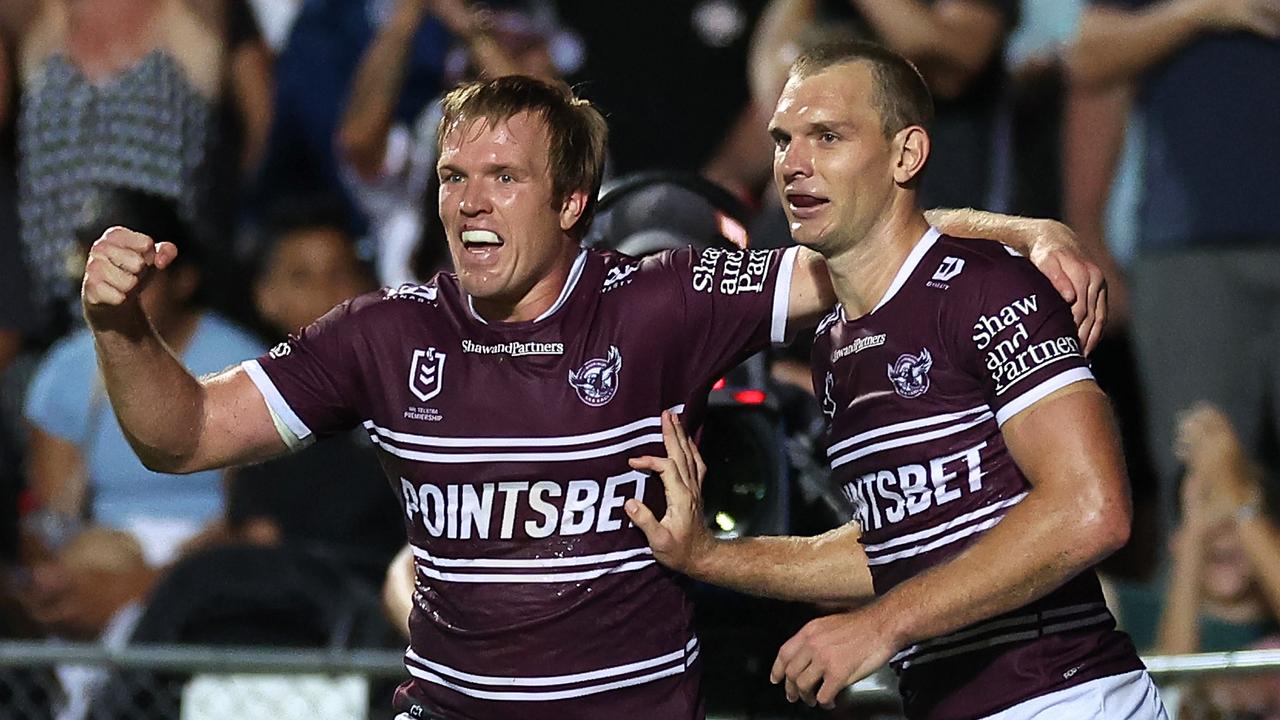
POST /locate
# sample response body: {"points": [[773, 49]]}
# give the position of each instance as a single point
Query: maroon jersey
{"points": [[966, 337], [508, 445]]}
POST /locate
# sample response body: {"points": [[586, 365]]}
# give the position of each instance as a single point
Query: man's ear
{"points": [[571, 210], [912, 148]]}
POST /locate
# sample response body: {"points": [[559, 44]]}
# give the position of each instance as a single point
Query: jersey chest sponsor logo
{"points": [[910, 374], [886, 497], [596, 382], [426, 373], [522, 509], [514, 348], [857, 346]]}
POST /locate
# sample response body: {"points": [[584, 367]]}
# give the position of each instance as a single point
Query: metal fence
{"points": [[216, 683]]}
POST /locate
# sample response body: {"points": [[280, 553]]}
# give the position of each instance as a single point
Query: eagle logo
{"points": [[910, 374], [596, 382]]}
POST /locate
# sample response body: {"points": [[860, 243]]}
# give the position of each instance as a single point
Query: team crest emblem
{"points": [[596, 382], [910, 374], [426, 373]]}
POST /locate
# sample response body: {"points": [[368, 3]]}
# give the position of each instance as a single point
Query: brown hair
{"points": [[901, 96], [576, 131]]}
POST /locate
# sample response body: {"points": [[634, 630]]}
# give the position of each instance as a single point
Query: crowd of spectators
{"points": [[287, 147]]}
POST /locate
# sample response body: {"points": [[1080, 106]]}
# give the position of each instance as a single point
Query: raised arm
{"points": [[175, 423], [1076, 514], [1118, 45], [829, 568]]}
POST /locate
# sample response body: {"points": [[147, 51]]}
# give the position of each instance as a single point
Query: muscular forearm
{"points": [[1076, 514], [362, 136], [1179, 630], [158, 403], [1116, 45], [828, 568], [1018, 233], [1038, 546]]}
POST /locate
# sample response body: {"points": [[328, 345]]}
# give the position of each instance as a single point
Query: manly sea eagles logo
{"points": [[828, 402], [597, 380], [910, 375], [426, 373]]}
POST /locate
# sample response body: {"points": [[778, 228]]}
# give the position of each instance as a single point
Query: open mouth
{"points": [[802, 200], [480, 239]]}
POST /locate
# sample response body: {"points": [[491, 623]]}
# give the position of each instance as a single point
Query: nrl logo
{"points": [[910, 374], [597, 380], [426, 373], [828, 402]]}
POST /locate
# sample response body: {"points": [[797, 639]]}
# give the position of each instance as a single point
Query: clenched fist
{"points": [[120, 262]]}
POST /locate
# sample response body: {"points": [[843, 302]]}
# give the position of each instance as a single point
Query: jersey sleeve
{"points": [[313, 381], [1014, 332], [733, 303]]}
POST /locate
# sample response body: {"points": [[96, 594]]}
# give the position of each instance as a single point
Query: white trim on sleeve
{"points": [[1028, 398], [293, 431], [782, 295]]}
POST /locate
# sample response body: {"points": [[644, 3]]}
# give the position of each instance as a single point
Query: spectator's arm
{"points": [[362, 135], [398, 589], [1118, 45], [56, 473], [1179, 628], [775, 44], [1093, 135], [251, 86], [951, 41], [1261, 540]]}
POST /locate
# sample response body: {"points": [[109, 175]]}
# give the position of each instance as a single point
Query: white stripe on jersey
{"points": [[527, 457], [909, 440], [905, 425], [534, 578], [782, 296], [672, 663], [1027, 626], [940, 542], [943, 527], [275, 401], [1026, 399], [523, 563], [571, 282], [514, 442]]}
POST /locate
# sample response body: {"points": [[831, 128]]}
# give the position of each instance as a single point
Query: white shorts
{"points": [[1128, 696]]}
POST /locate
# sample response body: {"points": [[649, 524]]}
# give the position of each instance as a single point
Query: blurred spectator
{"points": [[391, 166], [1224, 589], [276, 17], [350, 515], [315, 72], [179, 110], [1205, 281], [94, 504], [958, 47]]}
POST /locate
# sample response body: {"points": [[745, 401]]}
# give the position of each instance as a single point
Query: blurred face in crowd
{"points": [[507, 230], [835, 171], [308, 272], [1228, 576]]}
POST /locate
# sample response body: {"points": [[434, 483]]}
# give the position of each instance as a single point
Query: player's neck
{"points": [[862, 274], [538, 299]]}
